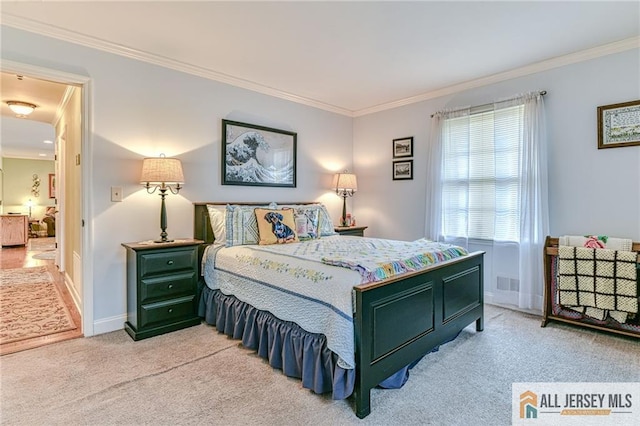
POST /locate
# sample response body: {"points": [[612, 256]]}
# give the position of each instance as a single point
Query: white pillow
{"points": [[217, 215], [326, 224]]}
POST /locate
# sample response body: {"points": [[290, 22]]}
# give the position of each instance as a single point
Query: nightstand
{"points": [[356, 231], [161, 287]]}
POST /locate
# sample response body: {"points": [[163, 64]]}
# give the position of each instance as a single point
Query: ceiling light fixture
{"points": [[21, 108]]}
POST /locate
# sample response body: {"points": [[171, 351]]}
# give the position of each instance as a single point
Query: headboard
{"points": [[202, 224]]}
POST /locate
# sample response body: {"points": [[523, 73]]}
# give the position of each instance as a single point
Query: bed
{"points": [[395, 321]]}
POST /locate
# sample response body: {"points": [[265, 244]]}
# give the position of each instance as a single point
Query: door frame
{"points": [[60, 152], [86, 227]]}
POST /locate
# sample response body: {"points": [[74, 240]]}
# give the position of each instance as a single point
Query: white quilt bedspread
{"points": [[376, 259], [298, 282], [315, 296]]}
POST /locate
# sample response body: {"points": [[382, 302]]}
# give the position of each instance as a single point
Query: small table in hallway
{"points": [[34, 227]]}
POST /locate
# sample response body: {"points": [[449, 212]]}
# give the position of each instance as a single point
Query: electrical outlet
{"points": [[116, 193]]}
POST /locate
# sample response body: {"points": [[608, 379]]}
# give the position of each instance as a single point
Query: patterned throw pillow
{"points": [[276, 226], [217, 216], [241, 225], [306, 220], [324, 224]]}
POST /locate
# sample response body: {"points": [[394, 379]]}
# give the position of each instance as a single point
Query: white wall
{"points": [[140, 110], [18, 183], [591, 190]]}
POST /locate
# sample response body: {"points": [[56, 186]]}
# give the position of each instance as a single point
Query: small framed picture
{"points": [[52, 185], [619, 125], [403, 170], [403, 147]]}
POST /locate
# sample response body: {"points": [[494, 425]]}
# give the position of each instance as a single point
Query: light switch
{"points": [[116, 193]]}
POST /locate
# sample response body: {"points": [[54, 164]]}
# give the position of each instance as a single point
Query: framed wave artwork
{"points": [[257, 155]]}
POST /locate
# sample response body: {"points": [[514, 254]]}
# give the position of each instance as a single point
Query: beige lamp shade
{"points": [[157, 171], [345, 182]]}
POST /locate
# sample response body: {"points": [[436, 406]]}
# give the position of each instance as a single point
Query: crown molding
{"points": [[95, 43], [106, 46], [560, 61]]}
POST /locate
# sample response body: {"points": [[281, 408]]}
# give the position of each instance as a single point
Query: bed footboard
{"points": [[399, 320]]}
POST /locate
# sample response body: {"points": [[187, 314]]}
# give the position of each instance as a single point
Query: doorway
{"points": [[71, 123]]}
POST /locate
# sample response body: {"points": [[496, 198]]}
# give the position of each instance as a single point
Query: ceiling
{"points": [[348, 57], [24, 137]]}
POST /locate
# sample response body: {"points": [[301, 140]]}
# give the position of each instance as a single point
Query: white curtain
{"points": [[534, 203], [443, 128], [513, 216]]}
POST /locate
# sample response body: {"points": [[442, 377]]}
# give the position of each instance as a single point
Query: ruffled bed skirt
{"points": [[285, 345]]}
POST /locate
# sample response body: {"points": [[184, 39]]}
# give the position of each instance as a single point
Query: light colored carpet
{"points": [[197, 376], [31, 305]]}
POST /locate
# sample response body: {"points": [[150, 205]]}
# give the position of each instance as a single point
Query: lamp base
{"points": [[343, 219], [164, 241], [163, 219]]}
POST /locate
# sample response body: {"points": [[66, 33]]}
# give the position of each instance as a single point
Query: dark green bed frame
{"points": [[399, 320]]}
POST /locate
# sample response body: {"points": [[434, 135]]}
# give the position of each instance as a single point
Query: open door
{"points": [[59, 197]]}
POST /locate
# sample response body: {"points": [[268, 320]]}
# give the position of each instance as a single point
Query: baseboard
{"points": [[77, 300], [488, 298], [107, 325], [491, 299]]}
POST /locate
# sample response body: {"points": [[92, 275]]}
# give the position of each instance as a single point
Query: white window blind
{"points": [[481, 175]]}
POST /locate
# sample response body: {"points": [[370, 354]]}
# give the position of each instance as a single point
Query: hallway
{"points": [[28, 257]]}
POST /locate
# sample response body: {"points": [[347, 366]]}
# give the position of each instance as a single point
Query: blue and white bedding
{"points": [[298, 282]]}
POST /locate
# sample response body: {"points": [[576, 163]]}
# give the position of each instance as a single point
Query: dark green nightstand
{"points": [[356, 231], [161, 287]]}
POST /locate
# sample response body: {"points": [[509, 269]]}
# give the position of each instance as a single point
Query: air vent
{"points": [[507, 284]]}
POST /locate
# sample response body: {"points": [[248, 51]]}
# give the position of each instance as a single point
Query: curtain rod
{"points": [[542, 93]]}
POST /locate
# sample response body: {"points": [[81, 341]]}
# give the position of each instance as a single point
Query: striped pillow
{"points": [[241, 224]]}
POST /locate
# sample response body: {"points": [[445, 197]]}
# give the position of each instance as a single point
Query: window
{"points": [[481, 175]]}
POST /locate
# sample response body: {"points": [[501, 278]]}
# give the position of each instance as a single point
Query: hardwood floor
{"points": [[22, 257]]}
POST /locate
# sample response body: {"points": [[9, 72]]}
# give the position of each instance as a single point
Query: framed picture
{"points": [[403, 170], [52, 185], [619, 125], [403, 147], [258, 156]]}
